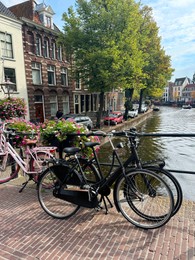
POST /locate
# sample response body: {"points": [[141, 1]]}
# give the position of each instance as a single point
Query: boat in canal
{"points": [[186, 107], [155, 108]]}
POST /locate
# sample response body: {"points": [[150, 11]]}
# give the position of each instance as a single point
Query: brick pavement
{"points": [[29, 233]]}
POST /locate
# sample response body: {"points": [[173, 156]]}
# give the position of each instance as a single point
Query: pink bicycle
{"points": [[11, 161]]}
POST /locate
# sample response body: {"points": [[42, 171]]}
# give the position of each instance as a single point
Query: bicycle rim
{"points": [[53, 206], [144, 199], [11, 170], [173, 185]]}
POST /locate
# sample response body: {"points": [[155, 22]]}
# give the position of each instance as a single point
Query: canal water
{"points": [[178, 152]]}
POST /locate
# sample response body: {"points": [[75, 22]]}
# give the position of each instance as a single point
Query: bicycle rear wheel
{"points": [[11, 169], [51, 181], [90, 172], [172, 183], [144, 199], [37, 163]]}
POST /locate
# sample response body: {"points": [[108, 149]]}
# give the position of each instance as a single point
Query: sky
{"points": [[176, 22]]}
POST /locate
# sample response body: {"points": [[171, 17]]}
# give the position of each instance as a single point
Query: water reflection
{"points": [[178, 152]]}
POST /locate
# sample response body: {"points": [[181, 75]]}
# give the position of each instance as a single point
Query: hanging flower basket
{"points": [[58, 133], [12, 108], [24, 130]]}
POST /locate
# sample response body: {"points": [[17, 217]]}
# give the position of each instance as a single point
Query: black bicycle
{"points": [[92, 171], [142, 196], [156, 166]]}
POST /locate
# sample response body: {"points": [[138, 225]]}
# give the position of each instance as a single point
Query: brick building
{"points": [[46, 67], [48, 84]]}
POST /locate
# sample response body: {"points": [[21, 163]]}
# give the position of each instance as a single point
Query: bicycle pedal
{"points": [[98, 208]]}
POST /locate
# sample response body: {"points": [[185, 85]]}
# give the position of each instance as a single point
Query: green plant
{"points": [[51, 130], [12, 108], [24, 130]]}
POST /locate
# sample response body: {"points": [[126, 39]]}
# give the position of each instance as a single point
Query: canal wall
{"points": [[133, 122]]}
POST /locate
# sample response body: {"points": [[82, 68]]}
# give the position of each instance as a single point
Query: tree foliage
{"points": [[114, 44]]}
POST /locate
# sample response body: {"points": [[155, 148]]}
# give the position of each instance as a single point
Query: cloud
{"points": [[176, 22]]}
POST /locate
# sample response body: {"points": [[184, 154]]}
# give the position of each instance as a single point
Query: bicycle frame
{"points": [[6, 148]]}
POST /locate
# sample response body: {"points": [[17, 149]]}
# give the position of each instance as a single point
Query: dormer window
{"points": [[45, 14]]}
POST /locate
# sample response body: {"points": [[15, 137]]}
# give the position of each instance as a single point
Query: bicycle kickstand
{"points": [[23, 186], [104, 201]]}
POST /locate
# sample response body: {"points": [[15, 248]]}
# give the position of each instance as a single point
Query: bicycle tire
{"points": [[41, 157], [90, 173], [49, 181], [173, 184], [11, 169], [141, 206]]}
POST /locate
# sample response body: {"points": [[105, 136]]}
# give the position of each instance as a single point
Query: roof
{"points": [[181, 80], [24, 9], [5, 11], [189, 86], [30, 10]]}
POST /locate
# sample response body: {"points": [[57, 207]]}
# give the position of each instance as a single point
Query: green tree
{"points": [[115, 44], [157, 69], [103, 45]]}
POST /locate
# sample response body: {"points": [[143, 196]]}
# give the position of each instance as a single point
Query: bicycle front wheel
{"points": [[172, 183], [144, 199], [11, 168], [49, 182]]}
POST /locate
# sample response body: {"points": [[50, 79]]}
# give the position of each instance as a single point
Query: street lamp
{"points": [[8, 87]]}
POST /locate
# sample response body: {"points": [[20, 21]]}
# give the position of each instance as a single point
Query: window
{"points": [[10, 74], [88, 102], [94, 102], [30, 42], [38, 45], [6, 45], [53, 104], [51, 75], [53, 50], [36, 73], [65, 101], [82, 102], [59, 53], [78, 81], [46, 48], [64, 76], [76, 104], [38, 99], [48, 21]]}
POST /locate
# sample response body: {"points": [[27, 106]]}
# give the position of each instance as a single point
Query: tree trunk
{"points": [[140, 100], [99, 113]]}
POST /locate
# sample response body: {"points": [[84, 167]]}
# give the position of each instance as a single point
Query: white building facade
{"points": [[12, 66]]}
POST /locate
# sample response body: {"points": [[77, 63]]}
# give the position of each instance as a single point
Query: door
{"points": [[39, 112]]}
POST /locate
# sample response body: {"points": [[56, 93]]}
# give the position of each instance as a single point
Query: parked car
{"points": [[144, 108], [79, 119], [133, 112], [113, 118]]}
